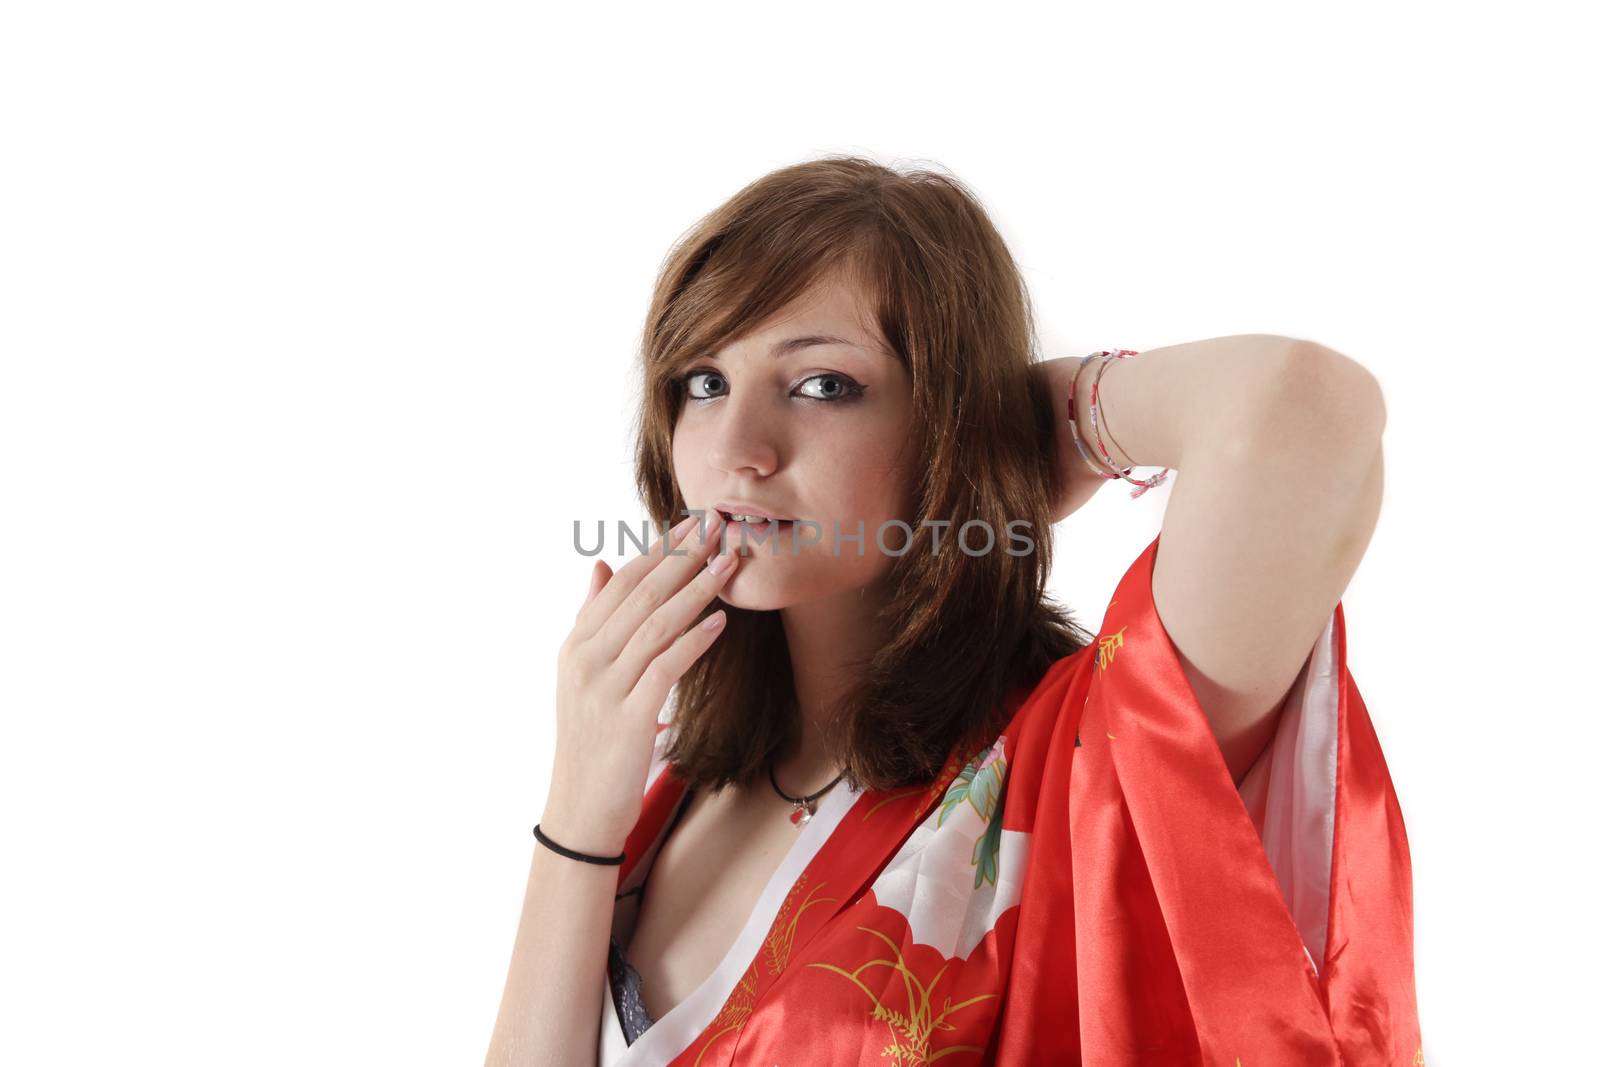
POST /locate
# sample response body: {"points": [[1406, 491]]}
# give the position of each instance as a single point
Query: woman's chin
{"points": [[751, 593]]}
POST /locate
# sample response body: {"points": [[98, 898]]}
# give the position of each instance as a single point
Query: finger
{"points": [[669, 620], [655, 588], [599, 574], [594, 614], [649, 695]]}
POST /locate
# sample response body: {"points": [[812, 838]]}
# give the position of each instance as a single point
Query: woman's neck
{"points": [[829, 643]]}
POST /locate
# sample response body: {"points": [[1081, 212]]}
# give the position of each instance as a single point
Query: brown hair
{"points": [[967, 630]]}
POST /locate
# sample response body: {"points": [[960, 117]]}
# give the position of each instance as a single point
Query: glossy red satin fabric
{"points": [[1089, 889]]}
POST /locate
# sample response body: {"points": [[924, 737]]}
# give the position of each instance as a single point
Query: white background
{"points": [[318, 323]]}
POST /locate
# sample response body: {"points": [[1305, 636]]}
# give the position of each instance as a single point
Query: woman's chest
{"points": [[705, 881]]}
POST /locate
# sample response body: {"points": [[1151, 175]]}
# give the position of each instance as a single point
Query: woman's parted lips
{"points": [[782, 523], [760, 514]]}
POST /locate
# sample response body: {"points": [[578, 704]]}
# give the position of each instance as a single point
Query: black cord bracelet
{"points": [[610, 861]]}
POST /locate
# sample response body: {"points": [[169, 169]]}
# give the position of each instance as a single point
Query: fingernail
{"points": [[716, 619], [720, 563]]}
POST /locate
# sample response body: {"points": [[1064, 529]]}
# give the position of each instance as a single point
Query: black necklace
{"points": [[804, 807]]}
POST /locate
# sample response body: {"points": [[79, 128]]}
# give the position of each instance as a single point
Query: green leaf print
{"points": [[986, 855], [981, 782]]}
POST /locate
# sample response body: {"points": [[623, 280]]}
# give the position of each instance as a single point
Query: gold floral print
{"points": [[899, 794], [780, 940], [1107, 649], [917, 1030], [733, 1015], [775, 950]]}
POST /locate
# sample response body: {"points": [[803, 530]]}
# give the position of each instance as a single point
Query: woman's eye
{"points": [[817, 387], [832, 387], [690, 379]]}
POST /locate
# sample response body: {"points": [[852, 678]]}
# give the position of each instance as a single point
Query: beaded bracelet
{"points": [[1105, 357]]}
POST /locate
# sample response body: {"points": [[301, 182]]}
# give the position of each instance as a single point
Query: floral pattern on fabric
{"points": [[980, 783], [1091, 887]]}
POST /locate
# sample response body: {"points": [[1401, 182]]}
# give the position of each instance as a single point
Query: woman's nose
{"points": [[745, 436]]}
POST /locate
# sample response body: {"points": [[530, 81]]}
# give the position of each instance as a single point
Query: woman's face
{"points": [[806, 418]]}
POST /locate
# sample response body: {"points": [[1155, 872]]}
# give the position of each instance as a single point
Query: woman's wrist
{"points": [[1076, 481]]}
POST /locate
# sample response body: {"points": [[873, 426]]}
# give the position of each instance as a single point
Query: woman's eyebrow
{"points": [[795, 344], [790, 345]]}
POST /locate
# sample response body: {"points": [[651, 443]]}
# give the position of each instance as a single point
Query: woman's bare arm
{"points": [[628, 647], [1277, 442], [550, 1010]]}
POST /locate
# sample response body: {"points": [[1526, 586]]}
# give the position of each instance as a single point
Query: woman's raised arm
{"points": [[633, 639]]}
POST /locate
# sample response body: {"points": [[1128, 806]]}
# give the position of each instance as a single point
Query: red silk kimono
{"points": [[1090, 888]]}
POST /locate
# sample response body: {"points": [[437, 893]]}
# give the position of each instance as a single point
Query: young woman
{"points": [[901, 804]]}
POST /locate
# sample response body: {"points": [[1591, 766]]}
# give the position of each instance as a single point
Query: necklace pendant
{"points": [[800, 815]]}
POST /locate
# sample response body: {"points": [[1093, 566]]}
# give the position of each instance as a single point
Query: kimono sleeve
{"points": [[1268, 923]]}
